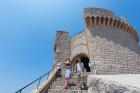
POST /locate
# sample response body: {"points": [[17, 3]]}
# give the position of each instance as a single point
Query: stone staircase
{"points": [[58, 87]]}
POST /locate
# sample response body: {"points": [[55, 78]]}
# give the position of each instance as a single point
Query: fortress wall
{"points": [[115, 35], [62, 46], [79, 45], [113, 51]]}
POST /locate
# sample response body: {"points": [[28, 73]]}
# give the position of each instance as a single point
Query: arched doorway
{"points": [[84, 59]]}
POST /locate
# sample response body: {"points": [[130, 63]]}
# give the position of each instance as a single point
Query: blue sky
{"points": [[28, 28]]}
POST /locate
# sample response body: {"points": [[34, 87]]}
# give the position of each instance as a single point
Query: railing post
{"points": [[48, 75], [39, 83]]}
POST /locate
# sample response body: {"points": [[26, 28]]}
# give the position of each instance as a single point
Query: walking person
{"points": [[80, 73], [68, 74], [59, 68]]}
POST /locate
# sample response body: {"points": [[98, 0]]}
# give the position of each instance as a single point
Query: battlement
{"points": [[97, 12], [99, 16], [62, 34]]}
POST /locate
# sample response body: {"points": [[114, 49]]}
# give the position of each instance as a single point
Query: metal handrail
{"points": [[38, 79]]}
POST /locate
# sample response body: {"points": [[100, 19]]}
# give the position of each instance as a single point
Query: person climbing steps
{"points": [[59, 69]]}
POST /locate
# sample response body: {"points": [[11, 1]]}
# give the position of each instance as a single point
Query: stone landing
{"points": [[114, 83]]}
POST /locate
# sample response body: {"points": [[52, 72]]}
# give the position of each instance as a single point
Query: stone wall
{"points": [[79, 45], [113, 51], [115, 35], [97, 12], [62, 46]]}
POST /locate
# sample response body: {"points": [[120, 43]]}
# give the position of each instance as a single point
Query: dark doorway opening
{"points": [[85, 61]]}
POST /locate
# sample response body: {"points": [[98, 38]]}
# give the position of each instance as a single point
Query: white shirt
{"points": [[59, 65], [80, 67], [89, 64], [68, 72]]}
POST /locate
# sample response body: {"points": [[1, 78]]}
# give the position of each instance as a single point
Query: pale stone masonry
{"points": [[110, 43], [114, 83]]}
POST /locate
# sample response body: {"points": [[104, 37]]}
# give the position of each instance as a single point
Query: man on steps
{"points": [[59, 69], [80, 74]]}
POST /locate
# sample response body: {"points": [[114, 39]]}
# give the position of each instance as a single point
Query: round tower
{"points": [[109, 42], [98, 17]]}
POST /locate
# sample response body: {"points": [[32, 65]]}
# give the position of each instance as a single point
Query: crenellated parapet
{"points": [[98, 16]]}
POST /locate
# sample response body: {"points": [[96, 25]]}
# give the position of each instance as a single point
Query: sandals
{"points": [[65, 87]]}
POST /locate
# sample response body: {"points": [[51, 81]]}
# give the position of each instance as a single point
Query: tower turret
{"points": [[102, 17]]}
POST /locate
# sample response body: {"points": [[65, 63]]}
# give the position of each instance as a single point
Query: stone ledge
{"points": [[114, 83]]}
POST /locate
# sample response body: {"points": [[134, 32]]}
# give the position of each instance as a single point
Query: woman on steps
{"points": [[68, 74]]}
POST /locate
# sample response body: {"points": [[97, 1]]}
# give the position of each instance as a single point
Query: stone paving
{"points": [[58, 87]]}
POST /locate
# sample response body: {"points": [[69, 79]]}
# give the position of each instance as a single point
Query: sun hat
{"points": [[67, 62]]}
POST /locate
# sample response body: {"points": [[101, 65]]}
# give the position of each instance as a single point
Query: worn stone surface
{"points": [[58, 86], [62, 46], [113, 51], [101, 85]]}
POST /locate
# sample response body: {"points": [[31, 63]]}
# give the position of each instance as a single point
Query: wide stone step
{"points": [[63, 81], [66, 91], [74, 77], [62, 87], [63, 78], [60, 84]]}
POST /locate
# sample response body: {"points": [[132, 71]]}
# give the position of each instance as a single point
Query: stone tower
{"points": [[109, 42]]}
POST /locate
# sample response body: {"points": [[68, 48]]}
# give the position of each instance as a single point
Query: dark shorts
{"points": [[59, 73], [59, 70]]}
